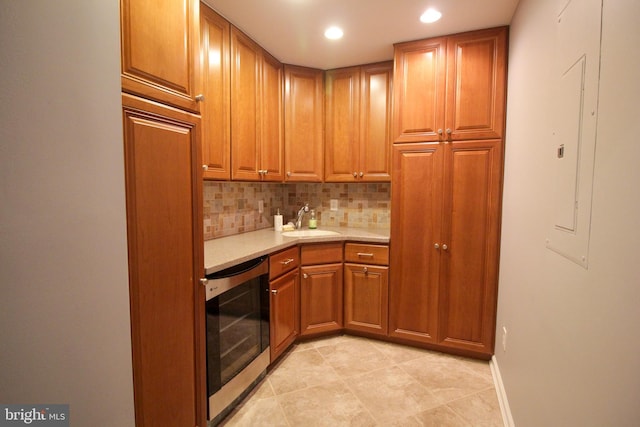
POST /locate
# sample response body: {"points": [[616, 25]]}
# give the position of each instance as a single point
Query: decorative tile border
{"points": [[232, 207]]}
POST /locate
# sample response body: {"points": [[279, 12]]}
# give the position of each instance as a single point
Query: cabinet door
{"points": [[303, 118], [216, 137], [366, 298], [162, 162], [375, 122], [271, 138], [471, 232], [245, 107], [419, 90], [476, 76], [342, 125], [416, 208], [321, 299], [284, 325], [160, 50]]}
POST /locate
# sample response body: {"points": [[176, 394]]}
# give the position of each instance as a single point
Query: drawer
{"points": [[366, 253], [322, 253], [283, 261]]}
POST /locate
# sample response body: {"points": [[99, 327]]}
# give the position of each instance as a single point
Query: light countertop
{"points": [[231, 250]]}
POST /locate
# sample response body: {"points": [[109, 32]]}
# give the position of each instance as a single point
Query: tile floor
{"points": [[353, 381]]}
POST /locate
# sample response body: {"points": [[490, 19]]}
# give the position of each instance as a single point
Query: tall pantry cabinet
{"points": [[163, 176], [446, 190]]}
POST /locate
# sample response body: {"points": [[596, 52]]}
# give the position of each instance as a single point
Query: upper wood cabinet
{"points": [[215, 80], [450, 88], [357, 123], [159, 54], [303, 129], [256, 117]]}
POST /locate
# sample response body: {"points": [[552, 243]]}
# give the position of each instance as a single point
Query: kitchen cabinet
{"points": [[357, 125], [256, 111], [162, 162], [444, 284], [215, 109], [450, 88], [366, 288], [304, 121], [159, 51], [284, 284], [321, 308]]}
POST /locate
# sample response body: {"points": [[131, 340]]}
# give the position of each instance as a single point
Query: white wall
{"points": [[573, 345], [64, 306]]}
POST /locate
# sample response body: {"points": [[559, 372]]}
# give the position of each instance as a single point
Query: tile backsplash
{"points": [[232, 207]]}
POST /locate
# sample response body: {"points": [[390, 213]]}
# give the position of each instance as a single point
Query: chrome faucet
{"points": [[301, 212]]}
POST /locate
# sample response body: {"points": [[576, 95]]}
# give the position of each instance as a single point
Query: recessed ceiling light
{"points": [[430, 15], [333, 33]]}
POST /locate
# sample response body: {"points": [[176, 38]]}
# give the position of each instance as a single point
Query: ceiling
{"points": [[293, 30]]}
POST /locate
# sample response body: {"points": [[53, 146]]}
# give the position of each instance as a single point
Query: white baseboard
{"points": [[502, 395]]}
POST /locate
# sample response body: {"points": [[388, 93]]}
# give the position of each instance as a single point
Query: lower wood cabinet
{"points": [[321, 288], [284, 284], [366, 288]]}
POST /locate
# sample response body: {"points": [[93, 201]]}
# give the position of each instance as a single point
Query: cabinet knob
{"points": [[305, 276], [437, 246], [439, 131], [200, 97], [205, 167], [445, 247], [448, 131], [361, 174], [355, 174], [365, 270], [288, 173], [204, 281], [274, 291]]}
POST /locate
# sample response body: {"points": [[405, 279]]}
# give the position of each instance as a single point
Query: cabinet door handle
{"points": [[439, 131], [200, 97], [289, 173], [448, 131], [205, 167], [445, 247], [305, 276], [365, 255], [437, 246], [355, 174], [365, 270], [274, 291], [204, 281], [287, 261], [361, 174]]}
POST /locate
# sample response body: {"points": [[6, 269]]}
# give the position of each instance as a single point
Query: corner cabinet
{"points": [[304, 121], [256, 111], [160, 53], [357, 124], [162, 162], [444, 284], [216, 108], [450, 88]]}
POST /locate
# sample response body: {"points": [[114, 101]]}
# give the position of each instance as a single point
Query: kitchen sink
{"points": [[309, 233]]}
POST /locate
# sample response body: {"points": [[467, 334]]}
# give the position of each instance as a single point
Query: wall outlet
{"points": [[504, 338], [334, 205], [260, 206]]}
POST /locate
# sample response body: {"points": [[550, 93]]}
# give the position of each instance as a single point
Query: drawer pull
{"points": [[287, 261], [365, 254]]}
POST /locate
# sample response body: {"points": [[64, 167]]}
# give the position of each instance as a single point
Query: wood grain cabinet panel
{"points": [[162, 162], [304, 121], [357, 125], [444, 284], [450, 88], [284, 325], [160, 51], [216, 108], [366, 288], [256, 111]]}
